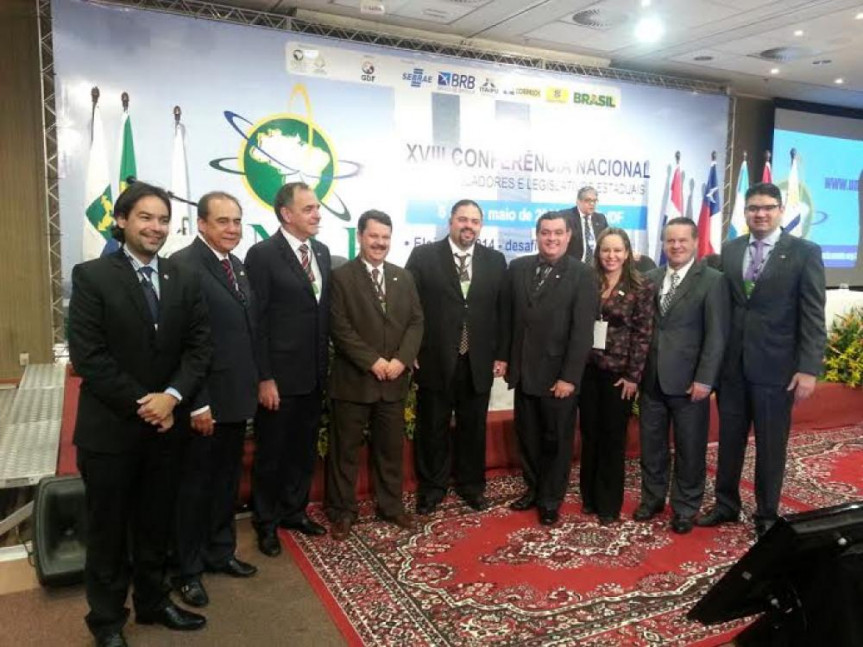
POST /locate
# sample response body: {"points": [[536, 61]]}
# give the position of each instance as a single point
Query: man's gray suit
{"points": [[776, 332], [686, 347]]}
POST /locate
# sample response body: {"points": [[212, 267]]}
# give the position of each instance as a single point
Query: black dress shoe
{"points": [[762, 526], [524, 502], [717, 516], [305, 526], [112, 640], [681, 525], [587, 509], [172, 617], [478, 502], [607, 519], [548, 517], [269, 544], [236, 568], [426, 506], [192, 592], [645, 512]]}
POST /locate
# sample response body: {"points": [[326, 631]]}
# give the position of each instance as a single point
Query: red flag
{"points": [[710, 217], [767, 175], [675, 205]]}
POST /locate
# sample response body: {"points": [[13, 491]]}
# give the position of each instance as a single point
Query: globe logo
{"points": [[286, 148]]}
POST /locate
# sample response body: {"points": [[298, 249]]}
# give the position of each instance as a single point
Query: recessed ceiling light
{"points": [[649, 29], [859, 16], [775, 70], [839, 81], [645, 3], [798, 32], [703, 57]]}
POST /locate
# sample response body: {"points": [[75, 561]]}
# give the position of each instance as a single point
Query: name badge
{"points": [[600, 331]]}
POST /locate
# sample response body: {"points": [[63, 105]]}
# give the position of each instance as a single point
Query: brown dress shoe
{"points": [[402, 520], [341, 529]]}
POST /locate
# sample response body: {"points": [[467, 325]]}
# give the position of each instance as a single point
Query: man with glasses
{"points": [[773, 355], [586, 224]]}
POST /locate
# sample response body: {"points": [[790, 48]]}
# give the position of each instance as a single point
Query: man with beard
{"points": [[377, 326], [551, 305], [139, 339], [459, 282]]}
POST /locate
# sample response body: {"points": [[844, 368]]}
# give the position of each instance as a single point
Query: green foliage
{"points": [[843, 361]]}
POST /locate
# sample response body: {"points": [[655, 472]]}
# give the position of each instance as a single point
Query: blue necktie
{"points": [[150, 292]]}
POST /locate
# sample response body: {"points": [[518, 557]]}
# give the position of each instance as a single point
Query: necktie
{"points": [[232, 279], [756, 260], [588, 240], [668, 296], [377, 279], [306, 261], [463, 278], [150, 292], [542, 271]]}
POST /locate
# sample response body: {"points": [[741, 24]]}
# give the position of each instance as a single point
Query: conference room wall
{"points": [[25, 292], [753, 133]]}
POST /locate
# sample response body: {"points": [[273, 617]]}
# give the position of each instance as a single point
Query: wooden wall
{"points": [[25, 291]]}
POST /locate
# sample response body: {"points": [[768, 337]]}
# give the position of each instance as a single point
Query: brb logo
{"points": [[456, 81]]}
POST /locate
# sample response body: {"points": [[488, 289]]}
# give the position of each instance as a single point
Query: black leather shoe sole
{"points": [[716, 517], [173, 617], [646, 513]]}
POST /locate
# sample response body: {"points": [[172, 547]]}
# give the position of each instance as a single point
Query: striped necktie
{"points": [[668, 296], [306, 262]]}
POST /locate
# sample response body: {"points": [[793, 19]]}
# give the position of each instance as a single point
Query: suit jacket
{"points": [[629, 314], [291, 341], [576, 244], [550, 331], [779, 330], [446, 310], [363, 332], [231, 387], [121, 356], [689, 339]]}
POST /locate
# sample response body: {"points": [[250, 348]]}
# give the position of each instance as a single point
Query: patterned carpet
{"points": [[499, 578]]}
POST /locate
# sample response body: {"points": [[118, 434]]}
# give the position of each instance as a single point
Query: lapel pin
{"points": [[242, 273], [165, 276], [782, 256], [621, 293], [395, 278]]}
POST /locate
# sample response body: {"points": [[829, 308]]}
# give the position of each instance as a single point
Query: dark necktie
{"points": [[463, 277], [588, 240], [668, 296], [306, 261], [232, 279], [377, 279], [150, 292], [756, 261]]}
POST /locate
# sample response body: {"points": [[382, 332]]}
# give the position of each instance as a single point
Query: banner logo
{"points": [[454, 81], [417, 78]]}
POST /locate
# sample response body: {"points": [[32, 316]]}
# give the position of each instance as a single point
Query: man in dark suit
{"points": [[459, 282], [206, 536], [774, 353], [138, 337], [551, 303], [289, 274], [586, 224], [377, 327], [689, 334]]}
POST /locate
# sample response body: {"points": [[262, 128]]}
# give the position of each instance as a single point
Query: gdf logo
{"points": [[368, 71], [456, 81]]}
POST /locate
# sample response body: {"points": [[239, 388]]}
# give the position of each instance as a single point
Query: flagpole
{"points": [[94, 97]]}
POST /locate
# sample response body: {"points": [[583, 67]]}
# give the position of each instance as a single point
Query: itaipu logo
{"points": [[288, 147]]}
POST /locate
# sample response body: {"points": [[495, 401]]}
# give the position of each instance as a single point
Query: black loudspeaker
{"points": [[805, 578], [60, 530]]}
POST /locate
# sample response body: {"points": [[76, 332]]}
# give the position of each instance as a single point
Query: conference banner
{"points": [[366, 127]]}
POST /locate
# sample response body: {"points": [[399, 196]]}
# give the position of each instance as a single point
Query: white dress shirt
{"points": [[295, 243]]}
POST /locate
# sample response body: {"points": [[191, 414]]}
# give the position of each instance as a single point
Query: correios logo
{"points": [[455, 81], [600, 100], [417, 78]]}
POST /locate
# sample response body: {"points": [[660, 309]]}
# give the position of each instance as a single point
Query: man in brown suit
{"points": [[376, 324]]}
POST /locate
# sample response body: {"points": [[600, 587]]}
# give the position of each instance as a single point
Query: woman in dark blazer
{"points": [[612, 374]]}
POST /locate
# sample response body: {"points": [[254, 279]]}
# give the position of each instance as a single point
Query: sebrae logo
{"points": [[417, 78]]}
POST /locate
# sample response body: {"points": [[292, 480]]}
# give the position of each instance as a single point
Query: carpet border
{"points": [[339, 618]]}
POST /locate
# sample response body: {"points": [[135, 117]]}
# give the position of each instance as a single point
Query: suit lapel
{"points": [[133, 285], [366, 285], [293, 262], [774, 262], [323, 268], [733, 269], [208, 258], [555, 275], [448, 267], [168, 292]]}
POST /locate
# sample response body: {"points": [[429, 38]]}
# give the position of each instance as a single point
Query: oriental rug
{"points": [[499, 578]]}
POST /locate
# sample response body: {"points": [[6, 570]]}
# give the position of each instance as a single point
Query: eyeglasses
{"points": [[752, 209], [590, 200]]}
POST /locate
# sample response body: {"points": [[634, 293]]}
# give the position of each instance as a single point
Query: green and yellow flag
{"points": [[99, 204], [127, 152]]}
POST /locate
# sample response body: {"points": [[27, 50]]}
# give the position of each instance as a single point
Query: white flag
{"points": [[182, 230], [738, 218], [98, 204]]}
